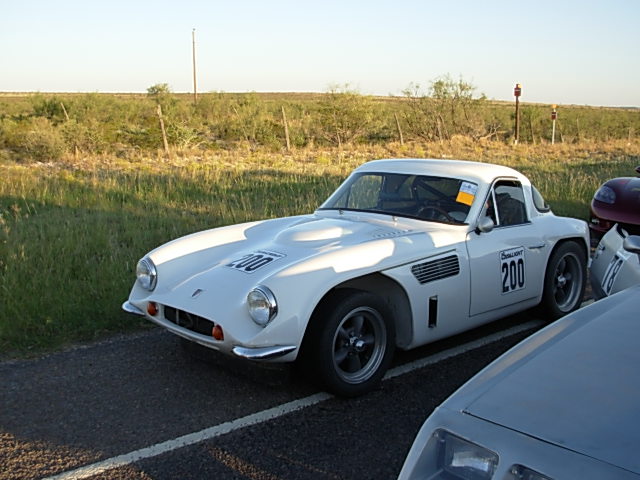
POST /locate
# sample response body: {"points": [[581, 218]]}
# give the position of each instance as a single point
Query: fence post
{"points": [[64, 110], [286, 129], [399, 129], [66, 116], [164, 133]]}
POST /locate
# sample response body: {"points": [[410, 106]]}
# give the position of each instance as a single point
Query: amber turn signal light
{"points": [[216, 332], [152, 309]]}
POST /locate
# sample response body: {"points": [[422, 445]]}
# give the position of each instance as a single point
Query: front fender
{"points": [[301, 287]]}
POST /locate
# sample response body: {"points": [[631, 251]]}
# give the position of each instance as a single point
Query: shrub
{"points": [[50, 108], [83, 137], [344, 115], [35, 139], [449, 108]]}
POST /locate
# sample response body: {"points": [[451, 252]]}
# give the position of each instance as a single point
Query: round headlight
{"points": [[146, 274], [605, 194], [262, 305]]}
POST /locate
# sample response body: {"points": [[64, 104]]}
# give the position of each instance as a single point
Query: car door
{"points": [[505, 261]]}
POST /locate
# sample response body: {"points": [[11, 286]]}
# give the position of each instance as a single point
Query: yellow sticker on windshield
{"points": [[467, 193]]}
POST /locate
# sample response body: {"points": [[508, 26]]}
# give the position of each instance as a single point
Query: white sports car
{"points": [[616, 263], [405, 252]]}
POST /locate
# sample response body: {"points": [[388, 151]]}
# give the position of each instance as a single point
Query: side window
{"points": [[538, 201], [506, 204]]}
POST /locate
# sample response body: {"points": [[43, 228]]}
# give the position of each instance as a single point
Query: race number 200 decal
{"points": [[251, 262], [512, 269]]}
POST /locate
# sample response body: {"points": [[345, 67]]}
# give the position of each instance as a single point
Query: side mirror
{"points": [[485, 225]]}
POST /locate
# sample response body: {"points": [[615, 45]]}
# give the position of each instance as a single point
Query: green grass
{"points": [[71, 233], [70, 238]]}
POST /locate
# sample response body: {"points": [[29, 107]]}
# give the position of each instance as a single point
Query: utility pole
{"points": [[195, 89]]}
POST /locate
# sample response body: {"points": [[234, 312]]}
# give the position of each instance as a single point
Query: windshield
{"points": [[436, 199]]}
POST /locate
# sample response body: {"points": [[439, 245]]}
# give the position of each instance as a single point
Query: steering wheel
{"points": [[423, 213]]}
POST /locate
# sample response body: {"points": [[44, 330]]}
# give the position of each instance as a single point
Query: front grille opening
{"points": [[188, 320]]}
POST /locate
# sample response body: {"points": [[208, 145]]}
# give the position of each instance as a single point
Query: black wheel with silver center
{"points": [[565, 280], [352, 341]]}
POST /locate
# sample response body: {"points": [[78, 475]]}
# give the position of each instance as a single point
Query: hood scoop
{"points": [[323, 231], [315, 231]]}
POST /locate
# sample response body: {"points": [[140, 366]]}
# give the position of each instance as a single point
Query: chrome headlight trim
{"points": [[262, 305], [146, 274]]}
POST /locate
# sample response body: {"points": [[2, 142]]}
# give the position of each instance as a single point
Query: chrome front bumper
{"points": [[248, 353]]}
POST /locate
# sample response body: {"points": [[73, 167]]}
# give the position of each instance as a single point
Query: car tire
{"points": [[565, 280], [351, 340]]}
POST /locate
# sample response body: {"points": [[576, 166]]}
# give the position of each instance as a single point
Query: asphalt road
{"points": [[142, 396]]}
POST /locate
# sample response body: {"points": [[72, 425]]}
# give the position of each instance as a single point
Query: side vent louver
{"points": [[436, 269]]}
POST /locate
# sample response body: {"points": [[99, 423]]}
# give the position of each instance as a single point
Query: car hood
{"points": [[327, 244], [316, 233], [575, 384], [627, 190], [626, 208]]}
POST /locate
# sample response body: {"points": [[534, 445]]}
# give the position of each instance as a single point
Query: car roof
{"points": [[477, 171], [575, 384]]}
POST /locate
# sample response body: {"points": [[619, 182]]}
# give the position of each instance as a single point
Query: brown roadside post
{"points": [[517, 91], [554, 117]]}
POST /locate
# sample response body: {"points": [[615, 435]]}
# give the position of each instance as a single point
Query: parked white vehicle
{"points": [[405, 252], [561, 405], [616, 263]]}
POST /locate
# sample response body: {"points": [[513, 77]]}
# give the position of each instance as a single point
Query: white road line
{"points": [[452, 352], [271, 413], [190, 439]]}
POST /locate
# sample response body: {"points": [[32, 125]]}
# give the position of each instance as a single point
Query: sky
{"points": [[566, 52]]}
